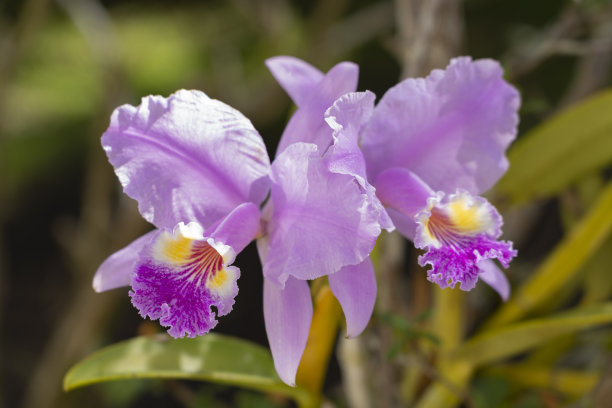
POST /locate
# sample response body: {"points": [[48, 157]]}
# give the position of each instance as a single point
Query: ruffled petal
{"points": [[346, 117], [180, 276], [307, 123], [298, 78], [117, 270], [186, 157], [287, 315], [355, 288], [495, 278], [451, 128], [318, 221], [459, 231]]}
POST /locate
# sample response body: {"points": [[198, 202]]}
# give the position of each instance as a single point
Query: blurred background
{"points": [[66, 64]]}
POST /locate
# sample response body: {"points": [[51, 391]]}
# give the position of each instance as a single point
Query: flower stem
{"points": [[323, 331]]}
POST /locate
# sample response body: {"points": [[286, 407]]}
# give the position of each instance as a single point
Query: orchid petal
{"points": [[346, 117], [287, 315], [238, 228], [406, 225], [298, 78], [355, 288], [459, 231], [402, 190], [180, 276], [451, 128], [307, 124], [117, 270], [186, 157], [495, 278], [320, 221]]}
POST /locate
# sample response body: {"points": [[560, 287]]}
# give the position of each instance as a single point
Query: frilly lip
{"points": [[450, 265], [489, 221], [180, 276]]}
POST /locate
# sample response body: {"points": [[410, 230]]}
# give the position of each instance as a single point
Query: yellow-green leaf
{"points": [[214, 357], [561, 266], [507, 341], [556, 153], [598, 282], [574, 383]]}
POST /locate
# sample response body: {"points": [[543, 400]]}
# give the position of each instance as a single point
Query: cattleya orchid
{"points": [[200, 173], [429, 148], [344, 170]]}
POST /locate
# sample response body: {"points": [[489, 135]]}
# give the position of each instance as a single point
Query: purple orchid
{"points": [[200, 173], [430, 147]]}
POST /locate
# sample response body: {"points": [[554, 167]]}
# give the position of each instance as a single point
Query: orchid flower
{"points": [[429, 148], [200, 173]]}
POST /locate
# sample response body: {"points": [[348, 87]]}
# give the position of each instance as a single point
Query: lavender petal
{"points": [[495, 278], [117, 270], [451, 128], [318, 221], [307, 123], [355, 288], [186, 157], [287, 314]]}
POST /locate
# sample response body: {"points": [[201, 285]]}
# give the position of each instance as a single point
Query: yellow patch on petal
{"points": [[468, 217], [461, 216], [178, 250], [218, 279], [173, 250], [221, 281]]}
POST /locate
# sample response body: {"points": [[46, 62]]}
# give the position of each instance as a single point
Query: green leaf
{"points": [[449, 389], [562, 149], [562, 265], [507, 341], [597, 282], [489, 391], [574, 383], [214, 357]]}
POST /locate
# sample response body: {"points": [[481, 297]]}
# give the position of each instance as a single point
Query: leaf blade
{"points": [[560, 150], [214, 357], [562, 265], [497, 344]]}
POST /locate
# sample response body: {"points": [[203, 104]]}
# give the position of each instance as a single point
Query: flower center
{"points": [[194, 261], [459, 231], [456, 221]]}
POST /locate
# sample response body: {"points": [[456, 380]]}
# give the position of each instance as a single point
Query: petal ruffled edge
{"points": [[186, 157], [346, 117], [307, 124], [319, 221], [452, 128], [180, 276]]}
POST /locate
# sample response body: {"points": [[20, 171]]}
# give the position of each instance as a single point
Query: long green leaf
{"points": [[597, 282], [574, 383], [507, 341], [565, 147], [214, 357], [561, 266]]}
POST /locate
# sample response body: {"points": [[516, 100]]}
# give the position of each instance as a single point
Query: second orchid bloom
{"points": [[344, 170]]}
